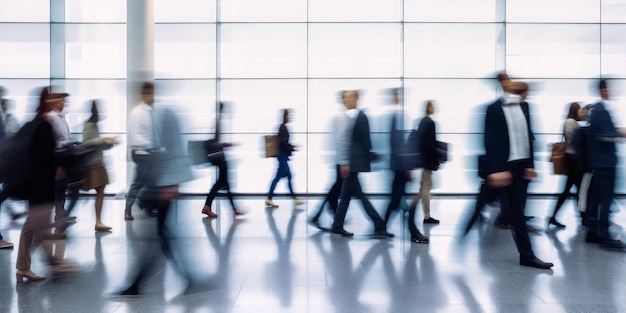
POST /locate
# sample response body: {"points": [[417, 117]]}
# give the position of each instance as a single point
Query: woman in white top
{"points": [[574, 175]]}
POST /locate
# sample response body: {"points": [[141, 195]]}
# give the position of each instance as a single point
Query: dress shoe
{"points": [[419, 238], [128, 216], [297, 202], [431, 220], [536, 263], [131, 292], [5, 244], [342, 232], [612, 244], [20, 275], [382, 234], [270, 203], [591, 238], [102, 228], [553, 221], [207, 210], [151, 212]]}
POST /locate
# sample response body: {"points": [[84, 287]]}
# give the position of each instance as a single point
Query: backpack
{"points": [[580, 143], [16, 157]]}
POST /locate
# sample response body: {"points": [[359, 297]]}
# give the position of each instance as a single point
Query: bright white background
{"points": [[263, 56]]}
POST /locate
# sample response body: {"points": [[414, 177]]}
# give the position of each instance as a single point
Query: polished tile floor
{"points": [[272, 261]]}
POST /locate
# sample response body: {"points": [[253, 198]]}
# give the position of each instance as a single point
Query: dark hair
{"points": [[574, 107], [42, 108], [147, 88], [285, 115], [95, 115], [502, 76], [602, 84], [428, 104]]}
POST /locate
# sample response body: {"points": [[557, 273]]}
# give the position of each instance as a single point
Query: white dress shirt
{"points": [[343, 135], [60, 129], [11, 126], [142, 125], [519, 145]]}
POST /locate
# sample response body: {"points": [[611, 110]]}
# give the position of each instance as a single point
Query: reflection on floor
{"points": [[272, 261]]}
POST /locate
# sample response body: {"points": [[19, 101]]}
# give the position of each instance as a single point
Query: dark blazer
{"points": [[283, 140], [396, 146], [497, 145], [427, 135], [602, 152], [360, 145]]}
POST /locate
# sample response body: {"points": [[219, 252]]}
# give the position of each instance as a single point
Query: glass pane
{"points": [[325, 101], [184, 51], [25, 50], [25, 11], [184, 11], [194, 100], [450, 50], [263, 11], [355, 50], [263, 50], [613, 11], [95, 11], [553, 51], [93, 50], [553, 11], [440, 11], [257, 104], [355, 10], [614, 50], [111, 96], [23, 96], [459, 103]]}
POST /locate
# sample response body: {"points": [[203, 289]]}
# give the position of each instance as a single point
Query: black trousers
{"points": [[352, 188], [398, 188], [220, 183], [513, 201], [332, 197]]}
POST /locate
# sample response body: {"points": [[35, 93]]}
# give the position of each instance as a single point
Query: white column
{"points": [[139, 57]]}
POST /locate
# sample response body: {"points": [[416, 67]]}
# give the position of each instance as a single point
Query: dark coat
{"points": [[497, 145], [360, 145], [602, 152], [427, 135], [283, 140]]}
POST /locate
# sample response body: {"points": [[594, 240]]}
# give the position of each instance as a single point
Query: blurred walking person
{"points": [[285, 150]]}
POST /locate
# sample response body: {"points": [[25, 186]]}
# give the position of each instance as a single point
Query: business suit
{"points": [[359, 161], [398, 165], [497, 160], [603, 162]]}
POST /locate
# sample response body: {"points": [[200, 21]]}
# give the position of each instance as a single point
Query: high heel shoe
{"points": [[270, 203], [238, 212], [20, 275], [207, 210], [553, 221]]}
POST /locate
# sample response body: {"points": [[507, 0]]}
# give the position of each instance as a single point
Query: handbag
{"points": [[205, 151], [557, 157], [271, 146]]}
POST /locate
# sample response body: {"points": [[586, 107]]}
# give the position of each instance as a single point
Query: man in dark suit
{"points": [[354, 155], [603, 162], [401, 169], [508, 163]]}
